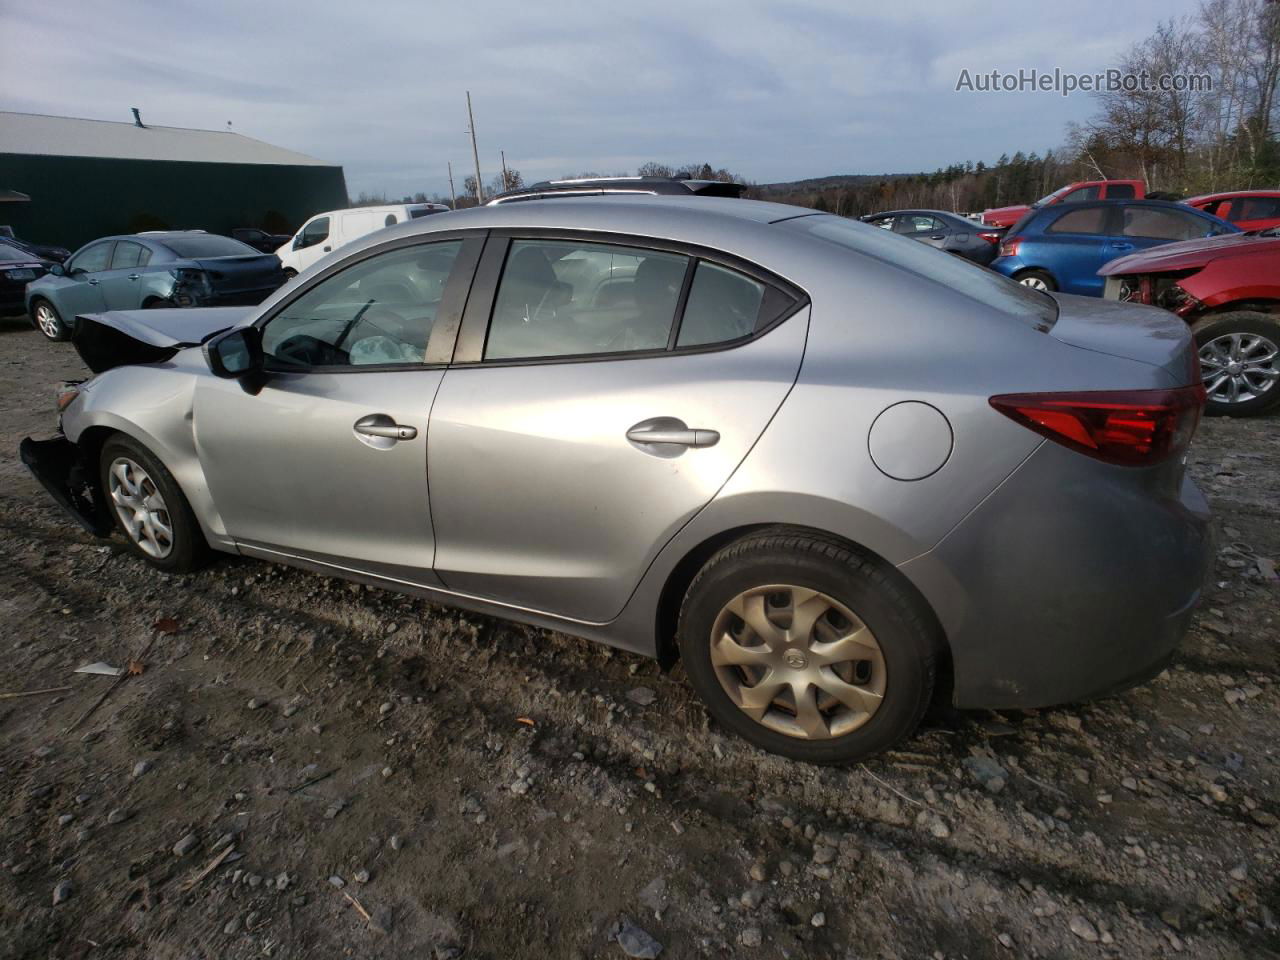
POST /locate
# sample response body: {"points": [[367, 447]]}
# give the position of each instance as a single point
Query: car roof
{"points": [[1229, 194], [908, 211], [1056, 209], [660, 186]]}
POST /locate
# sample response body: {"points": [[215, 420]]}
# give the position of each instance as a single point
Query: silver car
{"points": [[836, 472]]}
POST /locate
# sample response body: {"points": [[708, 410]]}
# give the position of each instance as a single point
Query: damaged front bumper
{"points": [[58, 465]]}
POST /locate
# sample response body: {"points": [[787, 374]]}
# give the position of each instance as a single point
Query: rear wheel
{"points": [[149, 507], [48, 321], [290, 273], [1037, 280], [806, 648], [1240, 362]]}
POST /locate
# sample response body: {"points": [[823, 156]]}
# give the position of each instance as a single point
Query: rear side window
{"points": [[1157, 224], [1120, 191], [200, 246], [1254, 208], [129, 254], [723, 305], [977, 283], [568, 298], [1092, 221]]}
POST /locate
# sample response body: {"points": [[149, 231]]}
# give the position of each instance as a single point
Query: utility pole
{"points": [[453, 197], [506, 184], [475, 153]]}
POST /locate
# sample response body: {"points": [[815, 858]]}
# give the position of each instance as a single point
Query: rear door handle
{"points": [[133, 276], [93, 283], [1121, 245], [383, 427], [669, 432]]}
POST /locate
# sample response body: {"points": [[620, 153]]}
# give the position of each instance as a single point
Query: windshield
{"points": [[202, 246], [11, 254], [977, 283]]}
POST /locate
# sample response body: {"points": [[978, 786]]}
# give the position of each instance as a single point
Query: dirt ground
{"points": [[308, 768]]}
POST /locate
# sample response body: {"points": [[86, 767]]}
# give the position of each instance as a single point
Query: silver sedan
{"points": [[836, 472]]}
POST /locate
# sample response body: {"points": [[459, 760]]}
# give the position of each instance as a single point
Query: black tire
{"points": [[1251, 323], [1043, 276], [289, 273], [156, 303], [63, 331], [807, 559], [188, 548]]}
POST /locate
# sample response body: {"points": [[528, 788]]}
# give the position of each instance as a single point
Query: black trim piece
{"points": [[484, 289], [682, 301], [400, 243], [444, 332]]}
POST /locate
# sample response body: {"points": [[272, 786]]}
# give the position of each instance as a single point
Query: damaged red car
{"points": [[1228, 289]]}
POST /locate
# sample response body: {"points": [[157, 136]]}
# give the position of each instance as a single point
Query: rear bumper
{"points": [[1073, 580], [58, 465]]}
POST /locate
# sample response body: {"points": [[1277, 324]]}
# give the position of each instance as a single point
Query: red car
{"points": [[1079, 192], [1247, 209], [1228, 289]]}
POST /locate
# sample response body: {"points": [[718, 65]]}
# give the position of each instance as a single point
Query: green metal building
{"points": [[92, 178]]}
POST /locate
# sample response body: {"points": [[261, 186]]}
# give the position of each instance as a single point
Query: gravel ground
{"points": [[309, 768]]}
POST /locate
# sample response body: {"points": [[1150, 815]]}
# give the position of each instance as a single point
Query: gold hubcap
{"points": [[798, 662]]}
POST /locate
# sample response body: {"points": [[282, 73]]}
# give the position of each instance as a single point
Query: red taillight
{"points": [[991, 236], [1129, 427], [1010, 247]]}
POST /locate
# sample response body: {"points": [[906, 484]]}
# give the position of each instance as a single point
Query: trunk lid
{"points": [[1132, 331], [230, 275], [123, 337]]}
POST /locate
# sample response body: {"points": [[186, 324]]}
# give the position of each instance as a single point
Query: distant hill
{"points": [[842, 181]]}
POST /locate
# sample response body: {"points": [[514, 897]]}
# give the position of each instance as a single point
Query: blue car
{"points": [[1063, 246], [179, 268]]}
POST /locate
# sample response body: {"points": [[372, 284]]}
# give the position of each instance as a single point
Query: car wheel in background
{"points": [[1239, 362], [1037, 280], [149, 507], [807, 648], [289, 273], [156, 303], [48, 322]]}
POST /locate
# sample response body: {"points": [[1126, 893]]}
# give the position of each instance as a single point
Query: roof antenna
{"points": [[137, 118]]}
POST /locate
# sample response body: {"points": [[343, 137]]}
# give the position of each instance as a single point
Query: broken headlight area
{"points": [[1156, 289], [61, 469]]}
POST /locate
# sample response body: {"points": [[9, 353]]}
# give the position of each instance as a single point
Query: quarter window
{"points": [[723, 305], [565, 298], [91, 259], [380, 311]]}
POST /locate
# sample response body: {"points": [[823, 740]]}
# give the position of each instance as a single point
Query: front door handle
{"points": [[93, 283], [1121, 245], [379, 426], [669, 437], [133, 276], [327, 248]]}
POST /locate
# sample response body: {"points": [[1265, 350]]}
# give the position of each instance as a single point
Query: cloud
{"points": [[774, 92]]}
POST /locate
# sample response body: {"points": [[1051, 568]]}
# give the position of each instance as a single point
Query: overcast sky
{"points": [[773, 91]]}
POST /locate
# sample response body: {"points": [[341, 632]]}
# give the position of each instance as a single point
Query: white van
{"points": [[327, 231]]}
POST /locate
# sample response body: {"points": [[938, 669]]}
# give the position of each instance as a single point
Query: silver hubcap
{"points": [[47, 322], [1035, 283], [1238, 367], [141, 508], [798, 662]]}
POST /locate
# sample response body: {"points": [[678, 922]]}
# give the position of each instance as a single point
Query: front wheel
{"points": [[149, 507], [807, 648], [1239, 362], [48, 321]]}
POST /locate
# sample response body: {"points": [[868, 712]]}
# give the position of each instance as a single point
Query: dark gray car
{"points": [[946, 231]]}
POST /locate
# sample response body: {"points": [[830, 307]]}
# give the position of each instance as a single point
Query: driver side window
{"points": [[91, 259], [313, 233], [379, 311]]}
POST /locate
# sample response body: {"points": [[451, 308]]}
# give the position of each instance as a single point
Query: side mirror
{"points": [[236, 354], [57, 270]]}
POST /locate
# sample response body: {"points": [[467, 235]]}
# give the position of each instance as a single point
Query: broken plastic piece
{"points": [[100, 669]]}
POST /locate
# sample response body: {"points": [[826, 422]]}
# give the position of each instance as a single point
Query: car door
{"points": [[312, 242], [1075, 246], [923, 227], [327, 462], [121, 284], [80, 289], [572, 439]]}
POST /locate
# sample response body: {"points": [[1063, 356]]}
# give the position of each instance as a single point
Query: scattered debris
{"points": [[100, 669], [33, 693]]}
